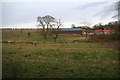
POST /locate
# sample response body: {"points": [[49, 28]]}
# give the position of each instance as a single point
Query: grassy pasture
{"points": [[12, 35], [56, 60]]}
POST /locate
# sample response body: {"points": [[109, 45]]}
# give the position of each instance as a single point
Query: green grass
{"points": [[15, 35], [57, 60]]}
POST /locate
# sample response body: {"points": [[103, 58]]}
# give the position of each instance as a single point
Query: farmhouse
{"points": [[105, 30]]}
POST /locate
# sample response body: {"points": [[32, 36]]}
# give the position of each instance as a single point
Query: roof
{"points": [[109, 30], [105, 30], [70, 29]]}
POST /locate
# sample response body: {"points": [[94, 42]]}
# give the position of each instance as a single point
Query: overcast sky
{"points": [[24, 14]]}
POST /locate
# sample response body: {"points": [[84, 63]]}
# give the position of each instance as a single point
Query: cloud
{"points": [[107, 11], [53, 0], [100, 9], [32, 24], [91, 5], [22, 14]]}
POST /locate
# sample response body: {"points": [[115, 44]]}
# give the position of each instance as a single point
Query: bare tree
{"points": [[55, 29], [87, 29], [50, 26], [73, 26], [45, 22], [118, 11]]}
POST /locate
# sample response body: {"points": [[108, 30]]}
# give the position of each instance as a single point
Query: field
{"points": [[62, 59]]}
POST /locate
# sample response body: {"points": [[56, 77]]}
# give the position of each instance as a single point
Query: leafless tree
{"points": [[73, 26], [45, 22], [117, 8], [87, 29], [55, 29], [119, 11], [50, 26]]}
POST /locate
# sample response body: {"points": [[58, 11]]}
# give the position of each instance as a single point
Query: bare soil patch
{"points": [[40, 56]]}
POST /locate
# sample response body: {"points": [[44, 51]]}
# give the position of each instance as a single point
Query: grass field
{"points": [[56, 60]]}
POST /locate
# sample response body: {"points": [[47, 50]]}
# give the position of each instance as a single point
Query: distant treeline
{"points": [[59, 31], [19, 28]]}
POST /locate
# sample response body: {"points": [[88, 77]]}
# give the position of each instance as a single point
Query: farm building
{"points": [[70, 31], [104, 31], [99, 32]]}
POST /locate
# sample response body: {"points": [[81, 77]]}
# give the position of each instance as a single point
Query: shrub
{"points": [[114, 36], [29, 33]]}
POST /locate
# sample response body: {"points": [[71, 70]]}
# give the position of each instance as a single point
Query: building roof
{"points": [[105, 30], [70, 29]]}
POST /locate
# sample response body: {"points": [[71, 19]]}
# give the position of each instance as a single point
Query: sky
{"points": [[23, 14]]}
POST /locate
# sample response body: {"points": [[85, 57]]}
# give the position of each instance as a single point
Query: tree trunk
{"points": [[55, 40], [86, 34]]}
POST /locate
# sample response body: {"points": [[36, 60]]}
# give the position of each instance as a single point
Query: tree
{"points": [[118, 12], [50, 26], [95, 27], [117, 9], [55, 29], [45, 22], [98, 26], [29, 34], [87, 29], [73, 26]]}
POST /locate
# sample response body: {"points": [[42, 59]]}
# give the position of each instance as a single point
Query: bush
{"points": [[114, 36], [29, 33]]}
